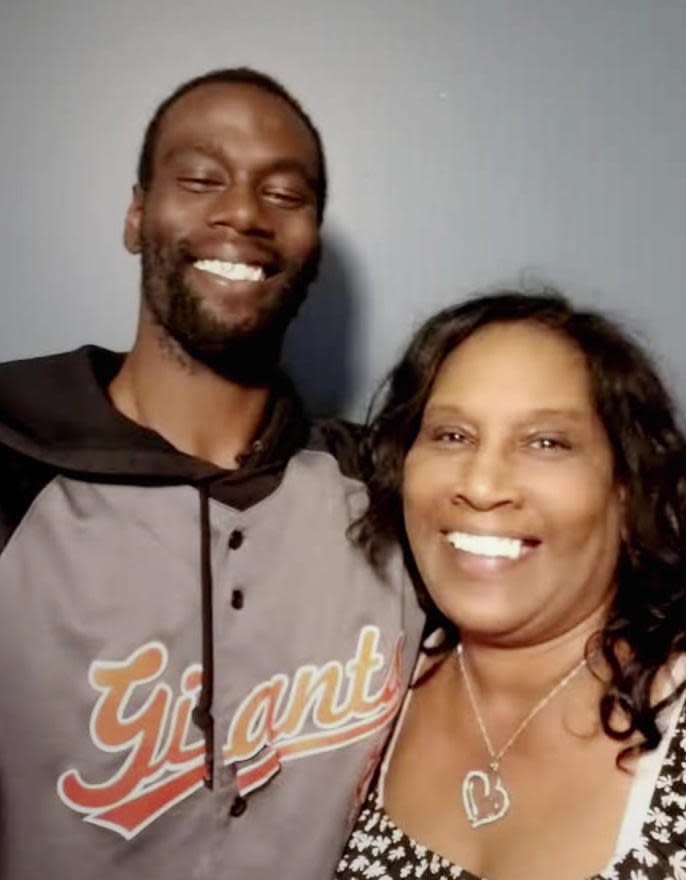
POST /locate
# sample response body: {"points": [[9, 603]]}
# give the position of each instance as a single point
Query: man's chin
{"points": [[239, 338], [249, 358]]}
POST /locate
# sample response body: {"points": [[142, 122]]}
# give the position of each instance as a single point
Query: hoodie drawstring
{"points": [[202, 713]]}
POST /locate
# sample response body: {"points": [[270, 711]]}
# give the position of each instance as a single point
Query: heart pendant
{"points": [[484, 796]]}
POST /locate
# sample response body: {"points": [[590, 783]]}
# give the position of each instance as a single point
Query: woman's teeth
{"points": [[231, 271], [486, 545]]}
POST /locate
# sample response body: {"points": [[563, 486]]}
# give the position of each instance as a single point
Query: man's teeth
{"points": [[231, 271], [486, 545]]}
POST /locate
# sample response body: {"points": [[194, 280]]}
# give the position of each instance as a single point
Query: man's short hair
{"points": [[230, 75]]}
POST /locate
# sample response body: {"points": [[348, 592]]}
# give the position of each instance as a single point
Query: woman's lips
{"points": [[489, 553], [486, 545]]}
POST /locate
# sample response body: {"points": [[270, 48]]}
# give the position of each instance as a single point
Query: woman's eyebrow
{"points": [[571, 413], [442, 409]]}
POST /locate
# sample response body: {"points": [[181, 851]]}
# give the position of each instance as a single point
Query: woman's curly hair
{"points": [[648, 613]]}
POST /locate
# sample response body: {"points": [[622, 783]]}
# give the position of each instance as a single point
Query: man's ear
{"points": [[133, 221]]}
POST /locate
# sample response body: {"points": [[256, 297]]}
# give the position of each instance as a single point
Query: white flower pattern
{"points": [[660, 854], [678, 864]]}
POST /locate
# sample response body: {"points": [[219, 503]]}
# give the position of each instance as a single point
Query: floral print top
{"points": [[378, 849]]}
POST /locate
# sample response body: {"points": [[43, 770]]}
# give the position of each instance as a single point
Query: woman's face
{"points": [[510, 505]]}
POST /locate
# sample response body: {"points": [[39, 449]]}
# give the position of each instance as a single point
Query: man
{"points": [[197, 667]]}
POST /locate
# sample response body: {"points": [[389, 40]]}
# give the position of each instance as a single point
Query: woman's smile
{"points": [[510, 484]]}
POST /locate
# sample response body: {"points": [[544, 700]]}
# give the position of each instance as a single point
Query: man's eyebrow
{"points": [[214, 151]]}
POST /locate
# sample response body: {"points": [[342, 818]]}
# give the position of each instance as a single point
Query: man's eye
{"points": [[284, 198], [199, 184]]}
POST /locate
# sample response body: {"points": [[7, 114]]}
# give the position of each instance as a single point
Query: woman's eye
{"points": [[550, 443], [450, 436]]}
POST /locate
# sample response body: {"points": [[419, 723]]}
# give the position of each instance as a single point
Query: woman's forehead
{"points": [[516, 362]]}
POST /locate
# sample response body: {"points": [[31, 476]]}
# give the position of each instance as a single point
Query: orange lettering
{"points": [[251, 726], [141, 733]]}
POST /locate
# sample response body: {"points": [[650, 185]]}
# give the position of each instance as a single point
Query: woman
{"points": [[528, 457]]}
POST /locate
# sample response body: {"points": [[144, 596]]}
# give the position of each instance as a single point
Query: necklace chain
{"points": [[496, 756]]}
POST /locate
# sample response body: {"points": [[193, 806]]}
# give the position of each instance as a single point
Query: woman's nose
{"points": [[486, 479]]}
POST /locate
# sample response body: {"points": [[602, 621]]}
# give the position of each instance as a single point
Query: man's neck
{"points": [[196, 410]]}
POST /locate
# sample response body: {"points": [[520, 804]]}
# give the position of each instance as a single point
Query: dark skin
{"points": [[234, 178], [511, 447]]}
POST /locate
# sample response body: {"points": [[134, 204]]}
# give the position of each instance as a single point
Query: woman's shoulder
{"points": [[659, 850]]}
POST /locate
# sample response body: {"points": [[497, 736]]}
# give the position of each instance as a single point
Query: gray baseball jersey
{"points": [[197, 667]]}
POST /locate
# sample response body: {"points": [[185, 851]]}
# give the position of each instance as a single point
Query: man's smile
{"points": [[231, 271]]}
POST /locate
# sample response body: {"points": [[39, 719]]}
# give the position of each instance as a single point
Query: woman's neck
{"points": [[523, 672]]}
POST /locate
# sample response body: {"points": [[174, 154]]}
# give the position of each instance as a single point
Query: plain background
{"points": [[470, 143]]}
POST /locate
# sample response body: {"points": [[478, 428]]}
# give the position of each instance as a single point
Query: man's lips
{"points": [[235, 270], [491, 546]]}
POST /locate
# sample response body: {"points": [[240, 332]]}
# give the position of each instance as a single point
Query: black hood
{"points": [[55, 409]]}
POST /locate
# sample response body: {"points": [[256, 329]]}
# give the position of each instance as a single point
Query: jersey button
{"points": [[237, 599], [235, 539], [238, 807]]}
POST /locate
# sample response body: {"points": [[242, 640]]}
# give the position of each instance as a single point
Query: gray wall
{"points": [[469, 141]]}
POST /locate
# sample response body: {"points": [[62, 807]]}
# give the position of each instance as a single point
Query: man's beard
{"points": [[245, 351]]}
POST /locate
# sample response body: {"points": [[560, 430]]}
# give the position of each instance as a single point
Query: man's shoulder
{"points": [[45, 374], [32, 393], [48, 400]]}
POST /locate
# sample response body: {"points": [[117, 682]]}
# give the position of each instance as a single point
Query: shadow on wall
{"points": [[318, 351]]}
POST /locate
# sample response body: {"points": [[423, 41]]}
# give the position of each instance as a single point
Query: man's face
{"points": [[228, 227]]}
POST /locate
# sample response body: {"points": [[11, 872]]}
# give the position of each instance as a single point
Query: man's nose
{"points": [[486, 479], [239, 207]]}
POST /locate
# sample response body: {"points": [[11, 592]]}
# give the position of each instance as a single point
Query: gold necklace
{"points": [[484, 795]]}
